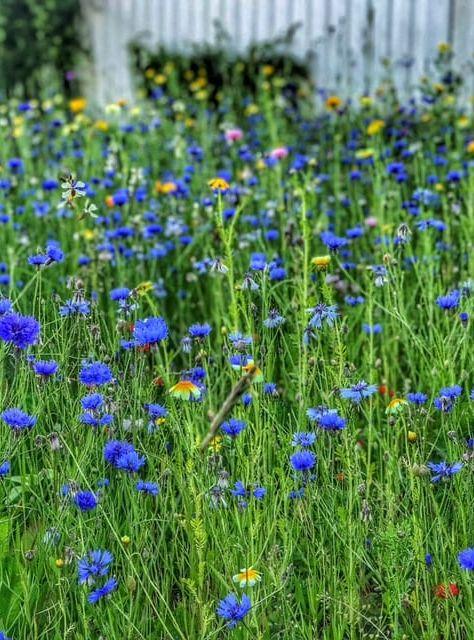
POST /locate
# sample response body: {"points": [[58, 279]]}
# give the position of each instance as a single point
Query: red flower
{"points": [[446, 591]]}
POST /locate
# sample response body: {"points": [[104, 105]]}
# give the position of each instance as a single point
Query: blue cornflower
{"points": [[233, 427], [85, 500], [121, 293], [150, 488], [303, 461], [5, 306], [96, 564], [333, 242], [297, 494], [96, 595], [37, 260], [92, 402], [380, 274], [75, 308], [270, 389], [150, 331], [358, 392], [17, 419], [314, 414], [372, 329], [466, 559], [354, 301], [259, 493], [95, 374], [417, 398], [130, 462], [5, 468], [199, 331], [274, 320], [156, 411], [45, 368], [3, 636], [232, 610], [449, 301], [429, 560], [54, 253], [331, 421], [239, 341], [323, 314], [116, 448], [21, 331], [451, 392], [96, 421], [464, 318], [239, 490], [277, 274], [302, 439], [443, 470]]}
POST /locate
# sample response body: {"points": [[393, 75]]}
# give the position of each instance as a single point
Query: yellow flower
{"points": [[439, 186], [215, 443], [412, 436], [333, 102], [363, 154], [366, 101], [247, 577], [375, 127], [470, 147], [165, 187], [218, 184], [438, 87], [59, 562], [149, 73], [268, 70], [160, 79], [184, 389], [444, 47], [89, 234], [144, 287], [101, 125], [77, 105], [321, 262], [251, 110], [463, 122], [125, 540], [396, 406]]}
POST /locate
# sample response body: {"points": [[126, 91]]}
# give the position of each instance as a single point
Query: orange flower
{"points": [[184, 389], [247, 577], [333, 102], [218, 184]]}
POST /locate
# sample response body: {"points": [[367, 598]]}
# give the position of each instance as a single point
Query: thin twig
{"points": [[244, 382]]}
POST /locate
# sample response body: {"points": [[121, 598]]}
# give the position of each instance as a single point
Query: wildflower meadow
{"points": [[236, 363]]}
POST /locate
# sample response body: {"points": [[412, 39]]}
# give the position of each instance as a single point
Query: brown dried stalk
{"points": [[237, 391]]}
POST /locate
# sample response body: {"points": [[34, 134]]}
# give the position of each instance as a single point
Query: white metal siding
{"points": [[346, 40]]}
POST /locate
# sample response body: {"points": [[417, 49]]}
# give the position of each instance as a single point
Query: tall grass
{"points": [[347, 559]]}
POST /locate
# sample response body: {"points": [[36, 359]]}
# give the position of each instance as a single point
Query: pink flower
{"points": [[279, 153], [371, 222], [233, 135]]}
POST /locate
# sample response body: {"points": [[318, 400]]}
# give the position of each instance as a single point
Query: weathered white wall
{"points": [[346, 40]]}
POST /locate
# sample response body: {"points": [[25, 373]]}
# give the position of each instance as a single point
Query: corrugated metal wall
{"points": [[345, 40]]}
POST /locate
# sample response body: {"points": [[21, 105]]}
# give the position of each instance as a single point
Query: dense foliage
{"points": [[236, 372], [40, 44]]}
